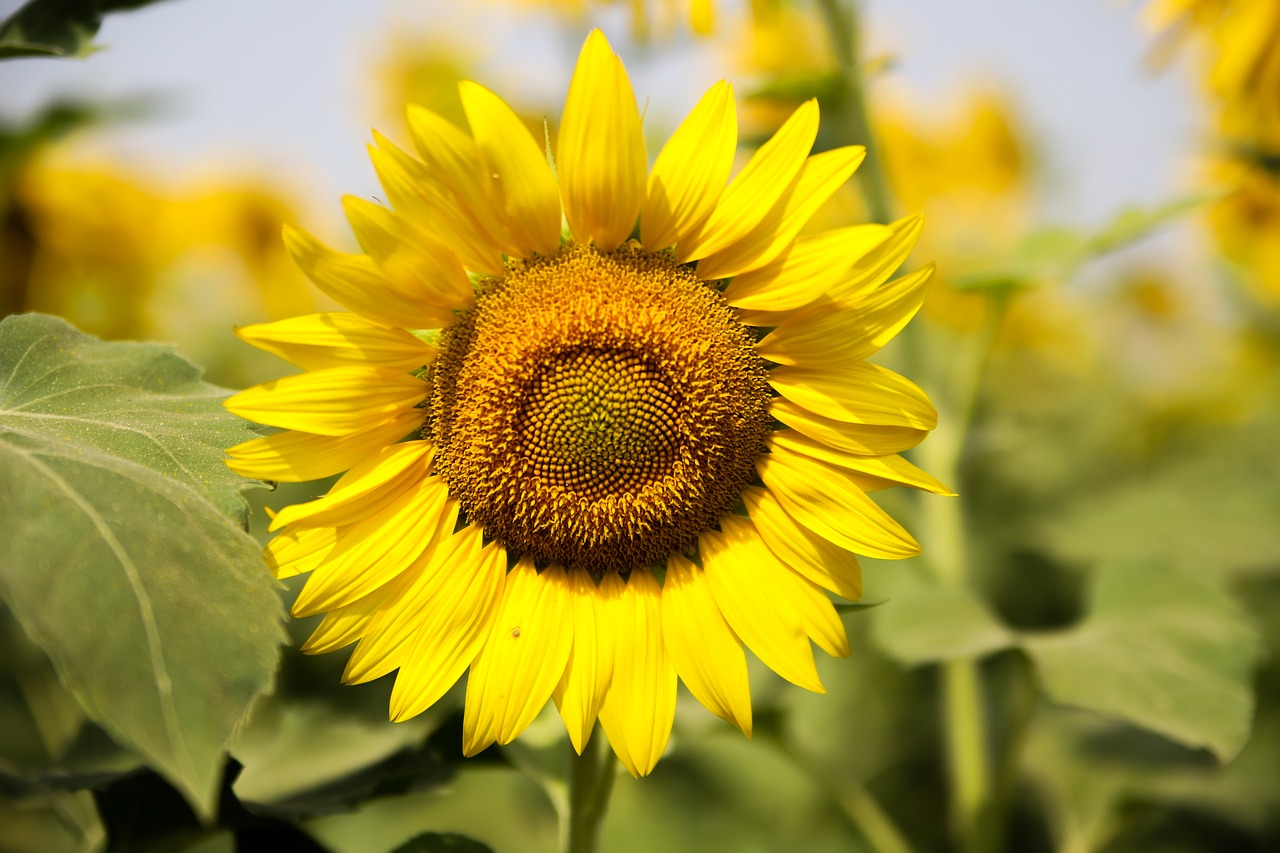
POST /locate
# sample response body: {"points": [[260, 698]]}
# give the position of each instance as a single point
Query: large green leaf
{"points": [[138, 403], [57, 27], [124, 557], [308, 758], [1165, 516], [1160, 650], [928, 624]]}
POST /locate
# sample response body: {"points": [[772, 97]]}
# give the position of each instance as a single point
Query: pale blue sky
{"points": [[281, 87]]}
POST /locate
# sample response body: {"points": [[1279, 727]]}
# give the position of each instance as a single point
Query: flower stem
{"points": [[855, 802], [941, 521], [865, 813], [942, 528], [590, 777], [852, 117]]}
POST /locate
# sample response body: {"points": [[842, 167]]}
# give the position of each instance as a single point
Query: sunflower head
{"points": [[598, 411], [674, 387]]}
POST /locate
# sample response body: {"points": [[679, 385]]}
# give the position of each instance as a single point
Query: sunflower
{"points": [[627, 452], [1242, 41]]}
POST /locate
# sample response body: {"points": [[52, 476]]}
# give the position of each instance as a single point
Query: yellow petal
{"points": [[858, 393], [356, 282], [454, 159], [871, 473], [874, 268], [345, 625], [805, 271], [641, 704], [406, 600], [375, 550], [393, 467], [845, 334], [433, 206], [757, 188], [415, 262], [867, 439], [521, 182], [748, 584], [333, 401], [292, 456], [335, 339], [523, 658], [703, 648], [601, 160], [589, 672], [817, 614], [458, 617], [296, 552], [828, 501], [819, 177], [805, 552], [691, 171]]}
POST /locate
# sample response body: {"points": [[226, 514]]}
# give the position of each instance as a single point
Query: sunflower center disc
{"points": [[598, 411]]}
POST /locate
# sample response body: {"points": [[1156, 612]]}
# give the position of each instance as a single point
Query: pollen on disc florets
{"points": [[598, 410]]}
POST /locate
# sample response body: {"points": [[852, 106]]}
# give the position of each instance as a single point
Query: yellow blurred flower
{"points": [[966, 170], [424, 67], [778, 43], [123, 256], [1239, 43], [662, 18], [1246, 224], [1240, 40]]}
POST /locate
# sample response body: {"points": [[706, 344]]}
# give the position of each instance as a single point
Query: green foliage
{"points": [[125, 559], [1161, 650], [1164, 516], [57, 27], [441, 842], [928, 624], [1056, 253]]}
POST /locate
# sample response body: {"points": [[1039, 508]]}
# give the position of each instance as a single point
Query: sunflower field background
{"points": [[1084, 656]]}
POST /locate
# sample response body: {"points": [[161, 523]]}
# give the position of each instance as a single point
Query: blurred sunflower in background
{"points": [[129, 255], [1238, 45], [1242, 38], [629, 449], [648, 17]]}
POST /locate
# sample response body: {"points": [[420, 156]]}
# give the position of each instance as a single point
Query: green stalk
{"points": [[854, 801], [865, 813], [941, 520], [590, 781], [942, 528], [852, 118]]}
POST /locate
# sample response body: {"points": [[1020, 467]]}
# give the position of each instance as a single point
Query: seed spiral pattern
{"points": [[598, 411]]}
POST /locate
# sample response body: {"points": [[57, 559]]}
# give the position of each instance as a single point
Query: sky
{"points": [[284, 88]]}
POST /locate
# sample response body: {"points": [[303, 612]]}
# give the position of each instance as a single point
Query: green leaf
{"points": [[124, 558], [856, 606], [136, 402], [928, 624], [1159, 650], [442, 842], [300, 755], [1055, 253], [57, 27], [1165, 516]]}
